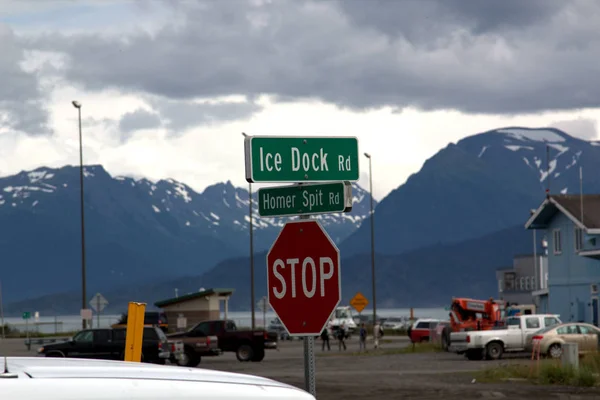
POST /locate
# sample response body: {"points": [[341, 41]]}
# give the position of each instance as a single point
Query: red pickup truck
{"points": [[248, 345]]}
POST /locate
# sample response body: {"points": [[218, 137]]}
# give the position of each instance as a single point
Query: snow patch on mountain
{"points": [[483, 149], [536, 135], [516, 148]]}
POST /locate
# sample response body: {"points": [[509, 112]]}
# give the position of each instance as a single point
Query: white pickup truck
{"points": [[512, 337]]}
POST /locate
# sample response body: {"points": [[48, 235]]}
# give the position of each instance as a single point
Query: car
{"points": [[422, 330], [396, 323], [109, 344], [552, 338], [28, 378]]}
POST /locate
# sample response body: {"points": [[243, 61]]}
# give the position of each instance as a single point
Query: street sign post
{"points": [[303, 265], [301, 159], [26, 317], [263, 305], [98, 303], [290, 200], [359, 302], [303, 277]]}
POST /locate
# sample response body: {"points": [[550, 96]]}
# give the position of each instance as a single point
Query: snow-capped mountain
{"points": [[135, 228], [480, 185]]}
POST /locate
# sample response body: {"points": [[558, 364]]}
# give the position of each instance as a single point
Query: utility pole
{"points": [[77, 105], [252, 297], [2, 313], [374, 286]]}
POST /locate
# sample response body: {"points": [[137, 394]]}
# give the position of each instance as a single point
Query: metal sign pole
{"points": [[2, 313], [309, 353], [264, 313]]}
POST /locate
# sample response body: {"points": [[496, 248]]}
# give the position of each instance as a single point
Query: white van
{"points": [[80, 379]]}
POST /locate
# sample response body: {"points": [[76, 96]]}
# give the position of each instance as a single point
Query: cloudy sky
{"points": [[167, 87]]}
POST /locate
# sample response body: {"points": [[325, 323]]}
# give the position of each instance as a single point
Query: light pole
{"points": [[535, 264], [1, 312], [77, 105], [372, 242], [251, 251]]}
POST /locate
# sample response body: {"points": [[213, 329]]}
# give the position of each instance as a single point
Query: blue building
{"points": [[572, 233]]}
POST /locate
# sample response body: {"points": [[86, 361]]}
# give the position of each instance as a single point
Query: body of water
{"points": [[69, 323]]}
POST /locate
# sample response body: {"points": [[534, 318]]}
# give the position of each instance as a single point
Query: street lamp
{"points": [[77, 105], [372, 241], [251, 251]]}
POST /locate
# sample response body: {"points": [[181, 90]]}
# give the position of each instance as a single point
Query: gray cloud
{"points": [[424, 21], [137, 120], [582, 127], [504, 57], [181, 115], [21, 102]]}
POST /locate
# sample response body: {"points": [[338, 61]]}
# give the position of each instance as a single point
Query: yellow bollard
{"points": [[135, 331]]}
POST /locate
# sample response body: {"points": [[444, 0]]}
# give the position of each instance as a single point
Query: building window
{"points": [[557, 242], [509, 281], [521, 283], [578, 239], [526, 283], [533, 283], [500, 286]]}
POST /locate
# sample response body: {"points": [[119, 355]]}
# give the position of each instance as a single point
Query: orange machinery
{"points": [[473, 315]]}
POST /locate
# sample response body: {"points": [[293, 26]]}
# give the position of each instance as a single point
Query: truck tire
{"points": [[446, 338], [259, 355], [244, 353], [494, 350], [191, 358]]}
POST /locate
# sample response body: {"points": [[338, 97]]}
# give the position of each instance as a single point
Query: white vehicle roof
{"points": [[70, 379], [427, 320]]}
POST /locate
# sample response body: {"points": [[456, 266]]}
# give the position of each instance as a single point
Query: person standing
{"points": [[377, 333], [341, 337], [325, 339], [362, 343]]}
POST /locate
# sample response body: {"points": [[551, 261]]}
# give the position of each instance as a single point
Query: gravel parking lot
{"points": [[349, 376]]}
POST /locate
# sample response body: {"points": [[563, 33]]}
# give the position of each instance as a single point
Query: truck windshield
{"points": [[341, 314]]}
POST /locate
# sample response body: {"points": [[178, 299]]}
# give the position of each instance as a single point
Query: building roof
{"points": [[193, 296], [569, 205]]}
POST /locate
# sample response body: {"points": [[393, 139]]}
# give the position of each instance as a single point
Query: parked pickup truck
{"points": [[247, 345], [195, 346], [512, 337]]}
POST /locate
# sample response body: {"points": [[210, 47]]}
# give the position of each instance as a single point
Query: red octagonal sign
{"points": [[303, 277]]}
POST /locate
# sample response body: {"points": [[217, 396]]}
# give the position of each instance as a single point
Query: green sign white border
{"points": [[248, 156], [347, 192]]}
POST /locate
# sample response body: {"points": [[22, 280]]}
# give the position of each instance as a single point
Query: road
{"points": [[418, 376]]}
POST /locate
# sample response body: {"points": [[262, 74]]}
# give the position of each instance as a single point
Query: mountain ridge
{"points": [[136, 229], [502, 170]]}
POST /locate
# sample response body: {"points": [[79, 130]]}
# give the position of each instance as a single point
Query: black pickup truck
{"points": [[248, 345], [109, 344]]}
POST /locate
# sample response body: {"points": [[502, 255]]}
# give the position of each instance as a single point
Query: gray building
{"points": [[524, 280]]}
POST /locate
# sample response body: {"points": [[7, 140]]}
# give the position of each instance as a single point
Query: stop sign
{"points": [[303, 277]]}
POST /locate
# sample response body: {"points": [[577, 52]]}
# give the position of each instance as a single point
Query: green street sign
{"points": [[26, 315], [301, 159], [305, 199]]}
